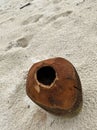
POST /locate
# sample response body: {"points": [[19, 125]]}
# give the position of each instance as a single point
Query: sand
{"points": [[42, 30]]}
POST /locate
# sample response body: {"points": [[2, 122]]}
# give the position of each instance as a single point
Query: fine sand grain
{"points": [[45, 29]]}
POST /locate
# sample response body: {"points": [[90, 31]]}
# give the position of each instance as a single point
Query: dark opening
{"points": [[46, 75]]}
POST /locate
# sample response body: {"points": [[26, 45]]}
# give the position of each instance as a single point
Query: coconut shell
{"points": [[54, 85]]}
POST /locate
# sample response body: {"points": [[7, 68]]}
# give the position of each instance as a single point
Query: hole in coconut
{"points": [[46, 75]]}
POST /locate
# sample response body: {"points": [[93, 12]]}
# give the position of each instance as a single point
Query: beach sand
{"points": [[42, 30]]}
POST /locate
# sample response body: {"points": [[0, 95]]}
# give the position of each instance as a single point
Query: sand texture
{"points": [[42, 30]]}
